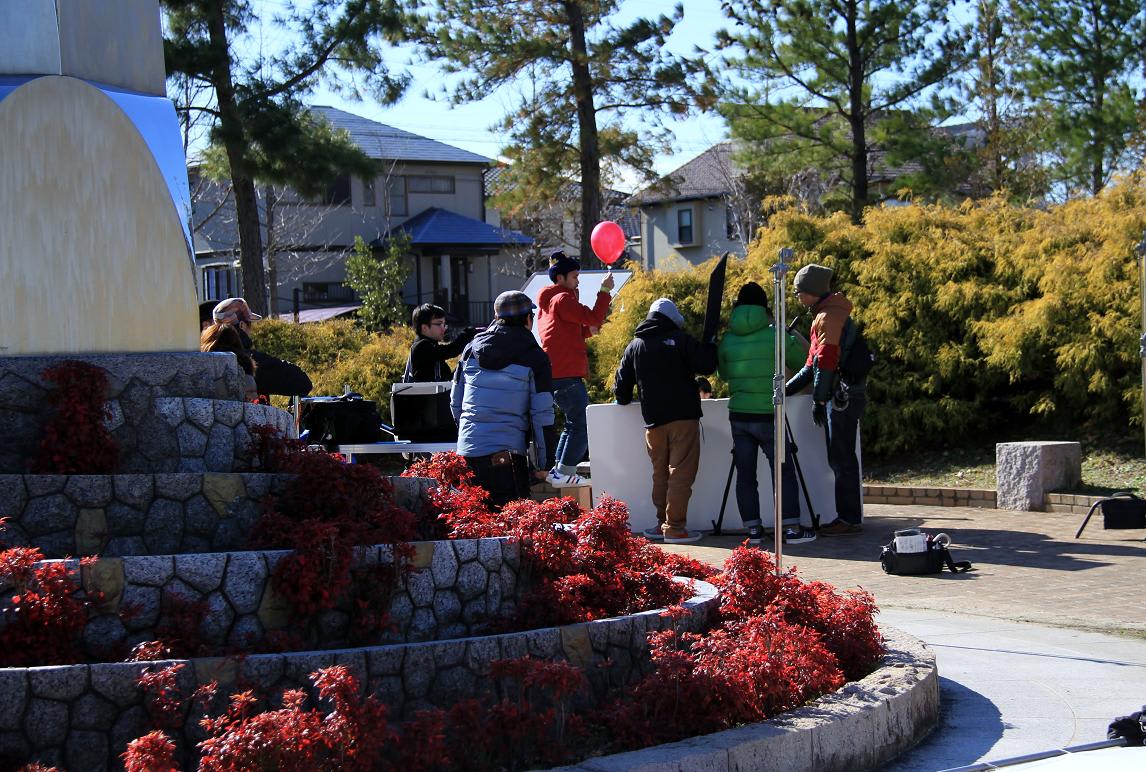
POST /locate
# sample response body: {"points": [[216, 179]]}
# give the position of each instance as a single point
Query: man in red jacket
{"points": [[564, 324]]}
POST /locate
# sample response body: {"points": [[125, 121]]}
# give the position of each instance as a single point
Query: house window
{"points": [[368, 197], [325, 292], [684, 226], [337, 192], [396, 196], [426, 183], [221, 281]]}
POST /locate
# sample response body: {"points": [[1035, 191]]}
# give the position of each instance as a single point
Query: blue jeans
{"points": [[747, 436], [843, 427], [572, 397]]}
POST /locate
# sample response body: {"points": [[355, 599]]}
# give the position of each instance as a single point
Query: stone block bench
{"points": [[1025, 471]]}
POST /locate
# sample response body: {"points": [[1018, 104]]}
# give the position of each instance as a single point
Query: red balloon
{"points": [[608, 241]]}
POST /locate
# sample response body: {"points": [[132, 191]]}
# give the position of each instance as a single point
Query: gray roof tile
{"points": [[387, 143]]}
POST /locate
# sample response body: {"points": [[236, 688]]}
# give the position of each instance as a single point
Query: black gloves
{"points": [[820, 414]]}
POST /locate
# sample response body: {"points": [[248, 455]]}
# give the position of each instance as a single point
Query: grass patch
{"points": [[1106, 468]]}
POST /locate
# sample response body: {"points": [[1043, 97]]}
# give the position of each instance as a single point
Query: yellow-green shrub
{"points": [[371, 370], [339, 353], [987, 318], [313, 347]]}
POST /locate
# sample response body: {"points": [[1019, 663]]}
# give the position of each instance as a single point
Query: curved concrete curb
{"points": [[862, 726]]}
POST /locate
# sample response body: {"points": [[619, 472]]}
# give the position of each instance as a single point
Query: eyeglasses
{"points": [[439, 323]]}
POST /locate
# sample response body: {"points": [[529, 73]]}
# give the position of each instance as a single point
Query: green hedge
{"points": [[985, 317]]}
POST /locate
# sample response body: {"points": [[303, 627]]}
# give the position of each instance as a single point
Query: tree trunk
{"points": [[270, 202], [856, 116], [586, 128], [231, 132]]}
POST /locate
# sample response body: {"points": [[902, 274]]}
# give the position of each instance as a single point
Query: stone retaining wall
{"points": [[146, 514], [864, 725], [452, 590], [935, 497], [82, 716], [135, 383]]}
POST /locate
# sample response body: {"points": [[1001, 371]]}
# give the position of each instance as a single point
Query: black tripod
{"points": [[719, 522]]}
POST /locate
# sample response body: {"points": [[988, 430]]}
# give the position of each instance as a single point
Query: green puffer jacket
{"points": [[747, 356]]}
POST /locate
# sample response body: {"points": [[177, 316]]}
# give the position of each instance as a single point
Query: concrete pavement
{"points": [[1040, 646]]}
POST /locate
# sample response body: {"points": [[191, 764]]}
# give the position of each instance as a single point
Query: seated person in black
{"points": [[428, 355], [272, 375]]}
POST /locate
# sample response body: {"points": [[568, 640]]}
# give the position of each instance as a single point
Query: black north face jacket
{"points": [[662, 361]]}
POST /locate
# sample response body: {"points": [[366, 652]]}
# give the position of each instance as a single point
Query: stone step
{"points": [[140, 386], [452, 590], [146, 514]]}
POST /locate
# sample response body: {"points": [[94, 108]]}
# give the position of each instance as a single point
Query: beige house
{"points": [[691, 213]]}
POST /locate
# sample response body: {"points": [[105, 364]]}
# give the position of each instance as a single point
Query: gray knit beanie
{"points": [[814, 279], [667, 308]]}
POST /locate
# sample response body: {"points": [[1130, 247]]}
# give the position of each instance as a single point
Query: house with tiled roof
{"points": [[689, 211], [702, 208], [432, 192]]}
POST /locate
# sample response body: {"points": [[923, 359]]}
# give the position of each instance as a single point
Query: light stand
{"points": [[779, 270], [1142, 341]]}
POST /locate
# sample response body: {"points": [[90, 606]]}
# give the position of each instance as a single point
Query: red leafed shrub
{"points": [[741, 672], [154, 752], [75, 439], [270, 451], [532, 726], [161, 696], [326, 510], [351, 737], [583, 565], [460, 503], [749, 586], [43, 617], [580, 565]]}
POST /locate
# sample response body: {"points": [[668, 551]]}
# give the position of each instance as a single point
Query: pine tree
{"points": [[259, 122], [578, 73], [1082, 57], [827, 73]]}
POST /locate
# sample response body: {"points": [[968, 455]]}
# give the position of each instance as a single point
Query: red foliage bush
{"points": [[154, 752], [326, 510], [41, 621], [741, 672], [351, 737], [75, 438], [749, 587], [580, 565], [161, 696]]}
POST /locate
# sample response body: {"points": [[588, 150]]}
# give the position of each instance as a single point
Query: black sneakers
{"points": [[798, 535]]}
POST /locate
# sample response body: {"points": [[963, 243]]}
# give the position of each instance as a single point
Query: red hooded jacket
{"points": [[563, 324]]}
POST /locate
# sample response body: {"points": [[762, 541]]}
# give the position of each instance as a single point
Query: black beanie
{"points": [[562, 265], [752, 294]]}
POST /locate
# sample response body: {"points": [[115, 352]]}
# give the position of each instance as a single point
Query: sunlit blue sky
{"points": [[468, 126]]}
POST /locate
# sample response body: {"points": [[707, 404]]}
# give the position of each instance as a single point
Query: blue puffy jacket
{"points": [[502, 390]]}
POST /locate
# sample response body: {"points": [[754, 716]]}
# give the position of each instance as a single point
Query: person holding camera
{"points": [[501, 396], [837, 410], [429, 352]]}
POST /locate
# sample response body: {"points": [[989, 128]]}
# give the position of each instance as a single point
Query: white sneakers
{"points": [[557, 479]]}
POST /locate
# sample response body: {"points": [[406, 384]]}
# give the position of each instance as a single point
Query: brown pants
{"points": [[674, 449]]}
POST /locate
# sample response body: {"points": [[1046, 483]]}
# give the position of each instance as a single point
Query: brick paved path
{"points": [[1028, 566]]}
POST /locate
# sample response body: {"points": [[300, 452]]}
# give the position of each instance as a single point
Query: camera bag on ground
{"points": [[345, 420], [915, 553]]}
